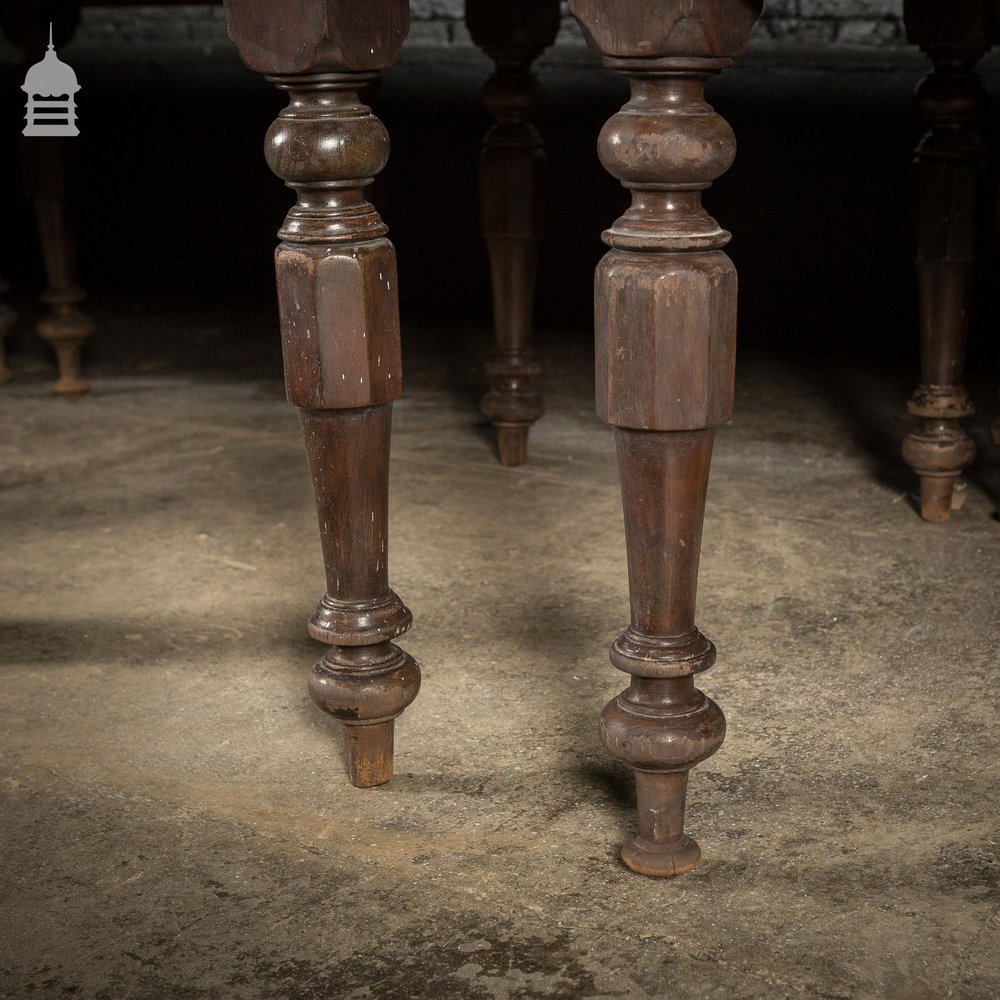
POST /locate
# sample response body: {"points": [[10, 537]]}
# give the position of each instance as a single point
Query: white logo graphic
{"points": [[51, 88]]}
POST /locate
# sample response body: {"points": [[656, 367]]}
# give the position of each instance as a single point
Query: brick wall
{"points": [[439, 22]]}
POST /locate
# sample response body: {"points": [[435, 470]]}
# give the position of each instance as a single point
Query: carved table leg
{"points": [[665, 298], [337, 293], [66, 327], [948, 160], [513, 34]]}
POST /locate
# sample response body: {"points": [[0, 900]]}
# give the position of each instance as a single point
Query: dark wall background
{"points": [[176, 205]]}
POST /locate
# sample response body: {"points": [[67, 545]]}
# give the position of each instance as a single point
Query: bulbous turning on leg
{"points": [[665, 349], [948, 161], [339, 311], [366, 688], [662, 727]]}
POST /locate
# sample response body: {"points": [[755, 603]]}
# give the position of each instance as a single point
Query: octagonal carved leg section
{"points": [[948, 162], [665, 301], [337, 297], [513, 34]]}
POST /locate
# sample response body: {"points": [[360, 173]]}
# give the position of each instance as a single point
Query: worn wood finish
{"points": [[338, 303], [948, 161], [665, 304], [513, 34]]}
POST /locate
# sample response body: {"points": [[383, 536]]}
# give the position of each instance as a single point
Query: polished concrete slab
{"points": [[176, 818]]}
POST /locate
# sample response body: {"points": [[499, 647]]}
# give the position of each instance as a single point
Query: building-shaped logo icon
{"points": [[51, 88]]}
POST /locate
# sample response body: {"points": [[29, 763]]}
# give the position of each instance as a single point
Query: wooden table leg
{"points": [[337, 292], [46, 164], [513, 33], [948, 160], [665, 298]]}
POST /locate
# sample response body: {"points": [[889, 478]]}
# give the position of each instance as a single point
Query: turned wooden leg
{"points": [[513, 34], [337, 293], [948, 160], [66, 326], [665, 298], [364, 680], [663, 725]]}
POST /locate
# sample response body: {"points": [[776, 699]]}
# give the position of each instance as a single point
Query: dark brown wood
{"points": [[948, 162], [513, 34], [45, 166], [665, 303], [338, 302]]}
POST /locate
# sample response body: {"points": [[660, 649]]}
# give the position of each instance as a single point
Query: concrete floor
{"points": [[176, 818]]}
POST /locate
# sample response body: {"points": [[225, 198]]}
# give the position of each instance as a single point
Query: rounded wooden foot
{"points": [[938, 451], [661, 848], [71, 386], [661, 861], [512, 405], [512, 444], [66, 333], [369, 753]]}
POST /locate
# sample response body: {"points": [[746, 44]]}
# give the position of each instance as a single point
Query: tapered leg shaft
{"points": [[665, 301], [45, 165], [663, 725], [513, 34], [338, 305], [363, 680], [948, 161]]}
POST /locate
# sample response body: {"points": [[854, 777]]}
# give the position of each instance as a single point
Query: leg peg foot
{"points": [[661, 848], [66, 333], [512, 443], [369, 753], [366, 688], [935, 498]]}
